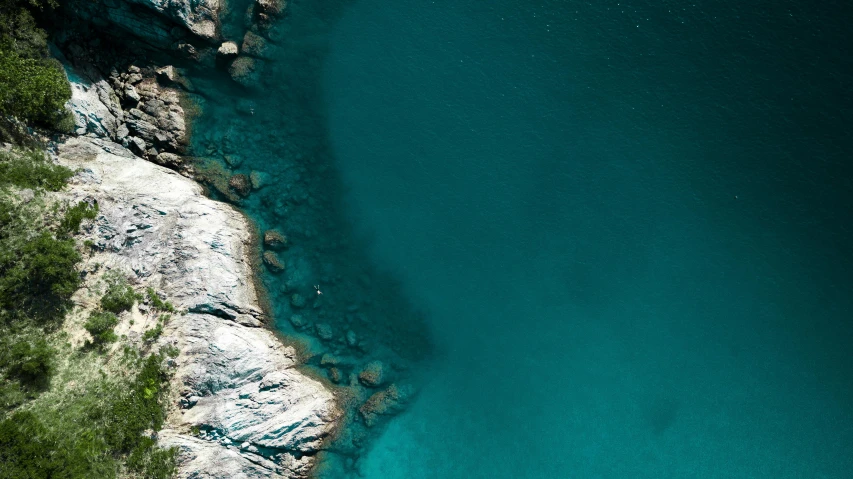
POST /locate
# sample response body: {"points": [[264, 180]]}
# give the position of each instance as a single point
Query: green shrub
{"points": [[29, 359], [100, 325], [11, 394], [153, 333], [153, 462], [32, 169], [39, 276], [139, 408], [75, 215], [92, 432], [119, 296], [158, 303], [18, 30], [34, 90], [33, 86], [25, 448]]}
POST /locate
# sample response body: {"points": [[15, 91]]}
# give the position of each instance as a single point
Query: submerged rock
{"points": [[329, 360], [258, 179], [273, 239], [240, 184], [380, 403], [371, 375], [324, 331], [271, 7], [267, 11], [254, 45], [273, 262], [297, 300], [245, 71], [234, 161], [297, 321]]}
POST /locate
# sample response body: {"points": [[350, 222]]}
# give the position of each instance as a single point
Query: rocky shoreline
{"points": [[240, 408]]}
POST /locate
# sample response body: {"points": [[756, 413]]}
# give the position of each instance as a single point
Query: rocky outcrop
{"points": [[241, 409], [132, 109], [168, 24]]}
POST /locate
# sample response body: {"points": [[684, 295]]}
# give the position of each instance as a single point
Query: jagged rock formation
{"points": [[132, 109], [168, 24], [241, 409]]}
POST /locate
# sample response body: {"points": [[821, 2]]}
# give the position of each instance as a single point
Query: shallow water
{"points": [[593, 240]]}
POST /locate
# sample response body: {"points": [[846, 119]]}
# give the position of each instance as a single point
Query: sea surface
{"points": [[581, 239]]}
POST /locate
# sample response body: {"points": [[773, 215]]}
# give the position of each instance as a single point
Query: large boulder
{"points": [[245, 71], [273, 239]]}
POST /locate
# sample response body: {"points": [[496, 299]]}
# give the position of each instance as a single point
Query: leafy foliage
{"points": [[33, 87], [75, 215], [119, 296], [153, 333], [32, 169], [29, 359], [139, 408], [100, 325], [33, 90], [38, 276], [90, 434], [158, 303]]}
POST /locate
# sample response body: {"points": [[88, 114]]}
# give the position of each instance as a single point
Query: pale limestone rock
{"points": [[228, 49], [94, 107], [232, 376]]}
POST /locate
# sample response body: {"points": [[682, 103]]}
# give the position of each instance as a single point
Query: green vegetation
{"points": [[33, 86], [75, 215], [32, 169], [100, 325], [120, 296], [153, 333], [156, 331], [37, 275], [92, 434], [66, 412], [158, 303]]}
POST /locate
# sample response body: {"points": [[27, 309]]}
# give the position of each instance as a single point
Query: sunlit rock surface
{"points": [[240, 407]]}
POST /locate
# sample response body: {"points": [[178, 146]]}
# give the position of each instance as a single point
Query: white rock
{"points": [[157, 226], [92, 106], [228, 49]]}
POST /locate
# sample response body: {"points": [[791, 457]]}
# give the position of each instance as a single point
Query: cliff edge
{"points": [[240, 408]]}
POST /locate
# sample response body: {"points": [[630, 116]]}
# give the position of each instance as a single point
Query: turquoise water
{"points": [[592, 240]]}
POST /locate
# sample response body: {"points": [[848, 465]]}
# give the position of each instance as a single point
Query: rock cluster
{"points": [[133, 109], [273, 239]]}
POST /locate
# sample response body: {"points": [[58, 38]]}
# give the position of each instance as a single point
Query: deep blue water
{"points": [[595, 239]]}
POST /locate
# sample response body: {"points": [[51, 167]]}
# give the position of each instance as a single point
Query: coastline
{"points": [[356, 350], [239, 406]]}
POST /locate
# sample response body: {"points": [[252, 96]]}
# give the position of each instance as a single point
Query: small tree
{"points": [[119, 296], [100, 325], [30, 360]]}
